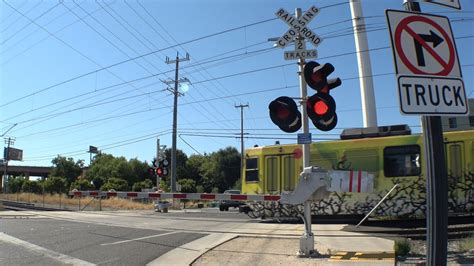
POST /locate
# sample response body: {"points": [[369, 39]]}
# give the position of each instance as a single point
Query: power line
{"points": [[28, 24], [137, 57]]}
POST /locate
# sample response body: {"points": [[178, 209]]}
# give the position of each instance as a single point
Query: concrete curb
{"points": [[190, 252]]}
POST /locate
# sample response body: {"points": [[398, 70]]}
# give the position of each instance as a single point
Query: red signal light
{"points": [[284, 113], [159, 171], [320, 108], [151, 172]]}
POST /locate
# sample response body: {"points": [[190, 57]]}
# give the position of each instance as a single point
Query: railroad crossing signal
{"points": [[321, 107], [284, 113], [160, 167]]}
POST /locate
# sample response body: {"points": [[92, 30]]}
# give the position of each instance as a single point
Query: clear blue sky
{"points": [[50, 51]]}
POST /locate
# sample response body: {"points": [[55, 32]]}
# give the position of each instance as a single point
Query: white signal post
{"points": [[299, 33]]}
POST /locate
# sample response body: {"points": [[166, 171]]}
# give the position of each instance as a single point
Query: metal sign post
{"points": [[299, 33], [426, 64]]}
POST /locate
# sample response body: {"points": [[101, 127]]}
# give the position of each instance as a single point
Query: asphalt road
{"points": [[89, 242]]}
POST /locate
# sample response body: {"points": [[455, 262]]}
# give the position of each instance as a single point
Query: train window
{"points": [[452, 122], [402, 161], [251, 170], [471, 120]]}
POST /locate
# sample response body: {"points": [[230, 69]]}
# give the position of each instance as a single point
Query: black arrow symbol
{"points": [[433, 38]]}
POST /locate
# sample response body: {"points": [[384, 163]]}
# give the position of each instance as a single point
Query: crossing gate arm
{"points": [[189, 196]]}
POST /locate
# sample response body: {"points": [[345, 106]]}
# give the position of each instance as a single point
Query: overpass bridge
{"points": [[26, 171]]}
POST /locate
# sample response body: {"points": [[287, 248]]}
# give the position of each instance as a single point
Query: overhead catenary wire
{"points": [[192, 65], [102, 68], [389, 47]]}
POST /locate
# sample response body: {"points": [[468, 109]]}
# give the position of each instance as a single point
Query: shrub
{"points": [[138, 186], [467, 244], [116, 184], [55, 184], [14, 184], [199, 189], [82, 184], [187, 185], [402, 247], [32, 186]]}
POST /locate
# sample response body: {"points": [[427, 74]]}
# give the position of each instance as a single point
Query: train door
{"points": [[455, 163], [272, 174], [280, 173]]}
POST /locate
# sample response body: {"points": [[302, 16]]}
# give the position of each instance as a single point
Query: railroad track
{"points": [[25, 206], [458, 227]]}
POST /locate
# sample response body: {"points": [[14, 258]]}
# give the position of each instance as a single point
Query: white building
{"points": [[456, 123]]}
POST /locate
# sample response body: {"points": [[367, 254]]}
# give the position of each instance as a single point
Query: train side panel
{"points": [[392, 160]]}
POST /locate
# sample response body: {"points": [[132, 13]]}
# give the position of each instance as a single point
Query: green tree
{"points": [[138, 186], [67, 168], [106, 166], [181, 159], [222, 169], [55, 184], [14, 184], [115, 183], [193, 169], [82, 185], [187, 185], [31, 186]]}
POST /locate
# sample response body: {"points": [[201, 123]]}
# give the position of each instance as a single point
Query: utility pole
{"points": [[436, 183], [176, 93], [241, 106], [9, 141]]}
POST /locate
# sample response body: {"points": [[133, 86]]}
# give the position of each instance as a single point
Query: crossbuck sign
{"points": [[298, 32]]}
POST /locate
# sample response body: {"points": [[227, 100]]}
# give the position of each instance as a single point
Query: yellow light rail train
{"points": [[392, 154]]}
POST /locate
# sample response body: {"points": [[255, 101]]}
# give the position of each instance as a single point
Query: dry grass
{"points": [[61, 200], [467, 244]]}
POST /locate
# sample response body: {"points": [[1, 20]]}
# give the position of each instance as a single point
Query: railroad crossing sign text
{"points": [[298, 26]]}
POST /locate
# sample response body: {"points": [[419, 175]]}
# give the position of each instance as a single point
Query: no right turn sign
{"points": [[427, 66]]}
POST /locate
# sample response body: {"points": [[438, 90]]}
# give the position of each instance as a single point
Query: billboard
{"points": [[12, 154]]}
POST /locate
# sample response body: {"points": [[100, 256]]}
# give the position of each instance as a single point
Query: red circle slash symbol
{"points": [[404, 26]]}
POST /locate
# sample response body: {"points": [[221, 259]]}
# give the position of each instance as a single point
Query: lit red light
{"points": [[320, 108]]}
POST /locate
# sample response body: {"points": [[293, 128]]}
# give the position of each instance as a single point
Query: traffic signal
{"points": [[321, 107], [284, 113]]}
